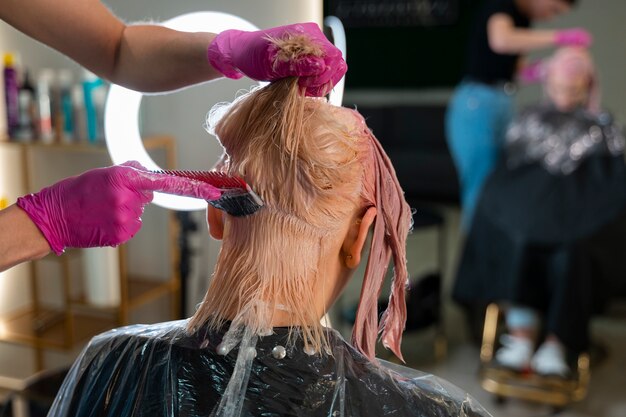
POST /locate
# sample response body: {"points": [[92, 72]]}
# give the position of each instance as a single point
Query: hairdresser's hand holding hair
{"points": [[101, 207], [236, 53], [535, 71]]}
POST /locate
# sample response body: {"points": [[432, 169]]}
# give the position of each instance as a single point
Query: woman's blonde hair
{"points": [[314, 165]]}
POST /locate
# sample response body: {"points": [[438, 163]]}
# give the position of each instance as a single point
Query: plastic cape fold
{"points": [[162, 370]]}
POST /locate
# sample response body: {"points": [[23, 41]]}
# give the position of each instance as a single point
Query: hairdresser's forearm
{"points": [[149, 58], [505, 38], [20, 239], [153, 58]]}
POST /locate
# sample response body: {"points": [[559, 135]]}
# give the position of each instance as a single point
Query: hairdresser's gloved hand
{"points": [[532, 73], [573, 37], [102, 207], [235, 53]]}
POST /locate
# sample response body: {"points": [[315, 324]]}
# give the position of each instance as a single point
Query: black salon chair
{"points": [[414, 138]]}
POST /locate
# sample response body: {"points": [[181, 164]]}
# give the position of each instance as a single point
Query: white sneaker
{"points": [[550, 360], [515, 352]]}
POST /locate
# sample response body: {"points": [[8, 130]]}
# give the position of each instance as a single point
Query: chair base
{"points": [[505, 383]]}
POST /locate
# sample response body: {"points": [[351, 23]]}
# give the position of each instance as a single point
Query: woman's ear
{"points": [[353, 246], [215, 221]]}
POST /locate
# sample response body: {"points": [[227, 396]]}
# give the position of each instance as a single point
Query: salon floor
{"points": [[607, 392]]}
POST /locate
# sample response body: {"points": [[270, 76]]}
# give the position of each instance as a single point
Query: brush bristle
{"points": [[216, 179]]}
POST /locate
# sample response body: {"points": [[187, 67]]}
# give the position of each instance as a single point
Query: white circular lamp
{"points": [[121, 115]]}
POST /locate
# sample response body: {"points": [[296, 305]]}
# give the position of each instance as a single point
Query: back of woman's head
{"points": [[314, 165], [301, 154]]}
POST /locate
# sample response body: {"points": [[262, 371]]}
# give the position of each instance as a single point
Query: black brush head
{"points": [[238, 204]]}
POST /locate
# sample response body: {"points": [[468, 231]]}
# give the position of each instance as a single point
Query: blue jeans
{"points": [[476, 123], [521, 317]]}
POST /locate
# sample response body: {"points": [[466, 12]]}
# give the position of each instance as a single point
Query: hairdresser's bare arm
{"points": [[505, 38], [20, 239], [142, 57]]}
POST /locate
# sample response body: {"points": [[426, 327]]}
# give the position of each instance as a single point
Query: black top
{"points": [[483, 64]]}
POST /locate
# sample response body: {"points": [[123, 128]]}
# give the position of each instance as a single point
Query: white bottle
{"points": [[101, 269], [44, 106]]}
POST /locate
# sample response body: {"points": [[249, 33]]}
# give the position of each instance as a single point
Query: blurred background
{"points": [[405, 58]]}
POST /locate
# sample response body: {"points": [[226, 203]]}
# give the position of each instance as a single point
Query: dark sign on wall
{"points": [[391, 13], [399, 44]]}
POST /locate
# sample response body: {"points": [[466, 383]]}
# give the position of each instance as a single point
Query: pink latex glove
{"points": [[573, 37], [235, 53], [532, 73], [102, 207]]}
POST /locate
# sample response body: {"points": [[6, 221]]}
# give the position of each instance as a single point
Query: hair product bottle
{"points": [[26, 130], [95, 96], [66, 106], [11, 93]]}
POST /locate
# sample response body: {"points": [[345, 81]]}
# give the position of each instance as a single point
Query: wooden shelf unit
{"points": [[57, 333], [77, 321]]}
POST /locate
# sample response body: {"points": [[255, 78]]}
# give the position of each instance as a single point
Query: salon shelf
{"points": [[20, 327], [141, 290], [88, 319], [150, 142], [76, 320]]}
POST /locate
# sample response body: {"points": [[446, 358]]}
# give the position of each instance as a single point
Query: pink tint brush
{"points": [[237, 198]]}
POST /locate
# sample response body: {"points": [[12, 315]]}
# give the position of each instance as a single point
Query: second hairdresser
{"points": [[482, 105]]}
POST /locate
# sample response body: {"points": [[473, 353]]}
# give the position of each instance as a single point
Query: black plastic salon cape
{"points": [[161, 370]]}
